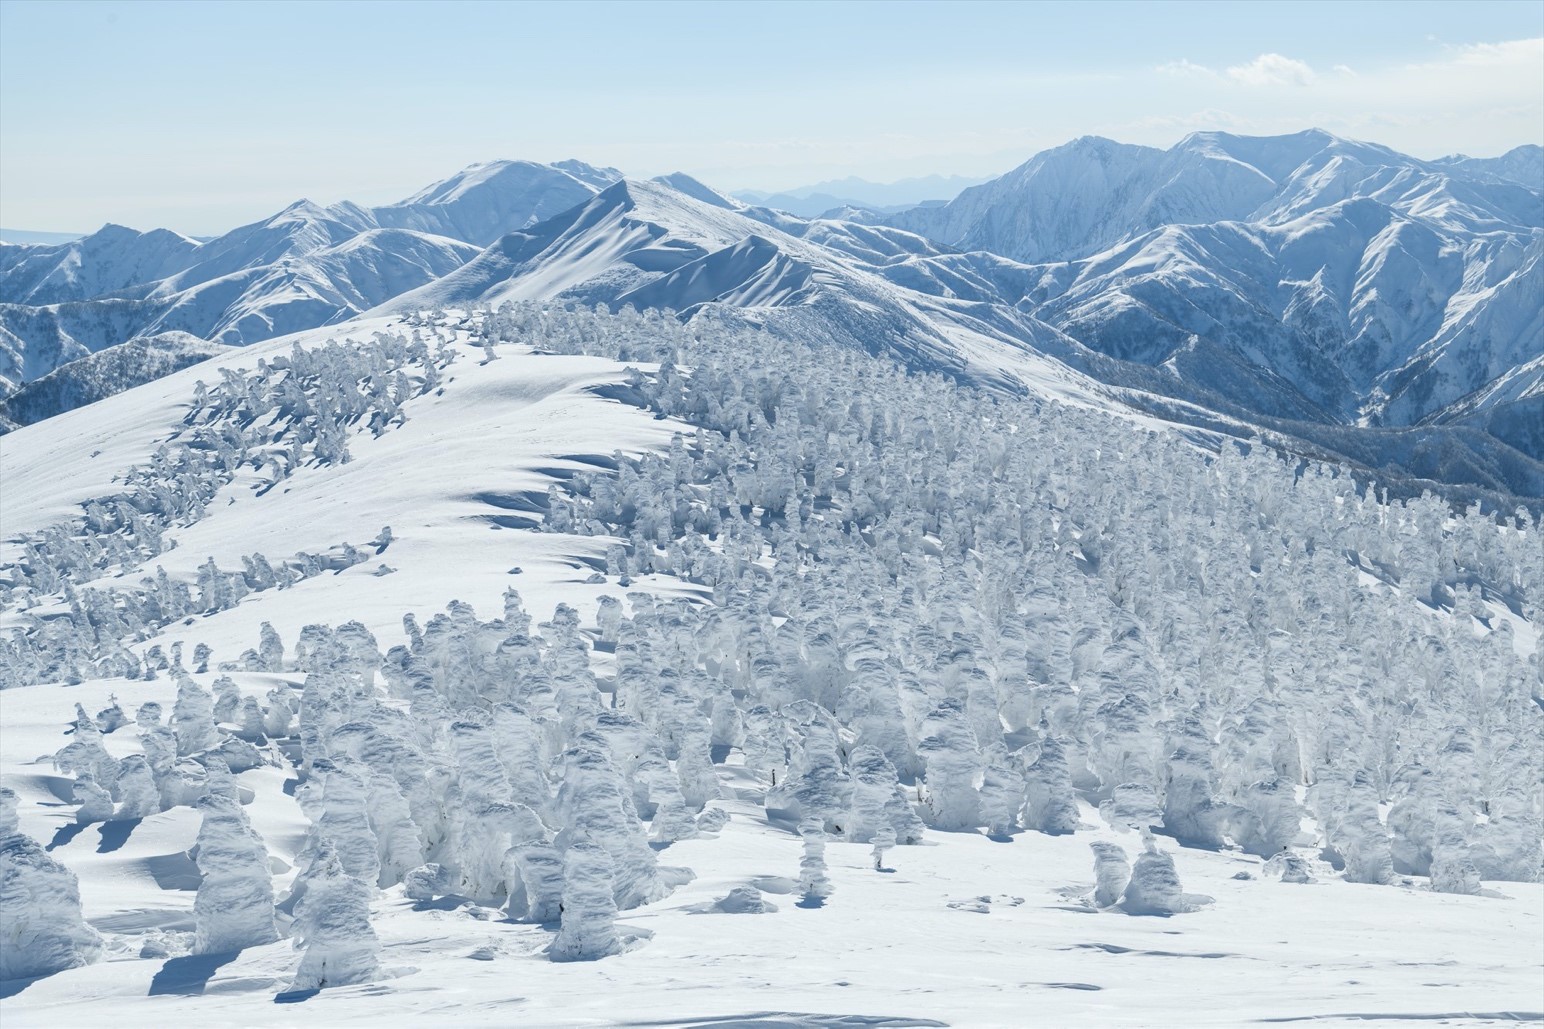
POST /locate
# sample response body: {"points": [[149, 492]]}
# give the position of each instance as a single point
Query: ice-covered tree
{"points": [[138, 795], [587, 930], [1112, 871], [332, 926], [234, 906], [1050, 802], [41, 927], [814, 884], [1154, 888], [953, 761]]}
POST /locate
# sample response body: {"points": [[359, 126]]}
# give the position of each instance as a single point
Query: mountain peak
{"points": [[684, 183]]}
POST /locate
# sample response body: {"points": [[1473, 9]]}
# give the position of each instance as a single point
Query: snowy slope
{"points": [[956, 565]]}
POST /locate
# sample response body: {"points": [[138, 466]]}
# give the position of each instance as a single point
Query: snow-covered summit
{"points": [[484, 201], [1077, 199]]}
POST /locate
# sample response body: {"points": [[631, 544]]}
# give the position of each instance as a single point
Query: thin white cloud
{"points": [[1265, 70], [1512, 53], [1272, 70], [1184, 67]]}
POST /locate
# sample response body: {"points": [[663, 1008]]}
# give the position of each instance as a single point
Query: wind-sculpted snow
{"points": [[835, 609]]}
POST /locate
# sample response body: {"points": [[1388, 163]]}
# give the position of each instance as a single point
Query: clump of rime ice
{"points": [[41, 927]]}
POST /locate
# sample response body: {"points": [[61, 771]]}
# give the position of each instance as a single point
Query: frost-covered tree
{"points": [[96, 804], [1154, 888], [1359, 837], [234, 906], [1112, 871], [1132, 806], [1268, 818], [193, 719], [953, 761], [1002, 795], [41, 927], [138, 795], [332, 926], [342, 823], [879, 805], [536, 882], [588, 911], [227, 699], [884, 842], [814, 884], [1192, 812], [86, 755], [1050, 802], [594, 805], [270, 649]]}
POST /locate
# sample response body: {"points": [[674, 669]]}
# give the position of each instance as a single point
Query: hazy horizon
{"points": [[153, 119]]}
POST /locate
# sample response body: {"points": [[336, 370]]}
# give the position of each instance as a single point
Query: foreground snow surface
{"points": [[963, 930]]}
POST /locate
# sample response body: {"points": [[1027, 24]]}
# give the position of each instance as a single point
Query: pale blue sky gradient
{"points": [[201, 116]]}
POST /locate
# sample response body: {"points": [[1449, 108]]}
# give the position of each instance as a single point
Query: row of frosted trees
{"points": [[68, 624]]}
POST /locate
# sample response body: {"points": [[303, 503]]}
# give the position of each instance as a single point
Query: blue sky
{"points": [[201, 116]]}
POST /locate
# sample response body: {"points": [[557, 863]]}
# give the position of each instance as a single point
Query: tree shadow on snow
{"points": [[187, 976], [116, 834], [295, 996], [812, 903], [11, 987], [64, 834]]}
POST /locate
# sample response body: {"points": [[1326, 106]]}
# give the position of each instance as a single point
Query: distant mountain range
{"points": [[1341, 297], [860, 195]]}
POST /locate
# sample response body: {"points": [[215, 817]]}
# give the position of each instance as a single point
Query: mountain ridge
{"points": [[1306, 283]]}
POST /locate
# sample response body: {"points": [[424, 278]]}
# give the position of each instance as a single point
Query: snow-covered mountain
{"points": [[860, 194], [1344, 281], [1375, 308], [976, 316], [1079, 199], [1523, 165], [306, 266]]}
